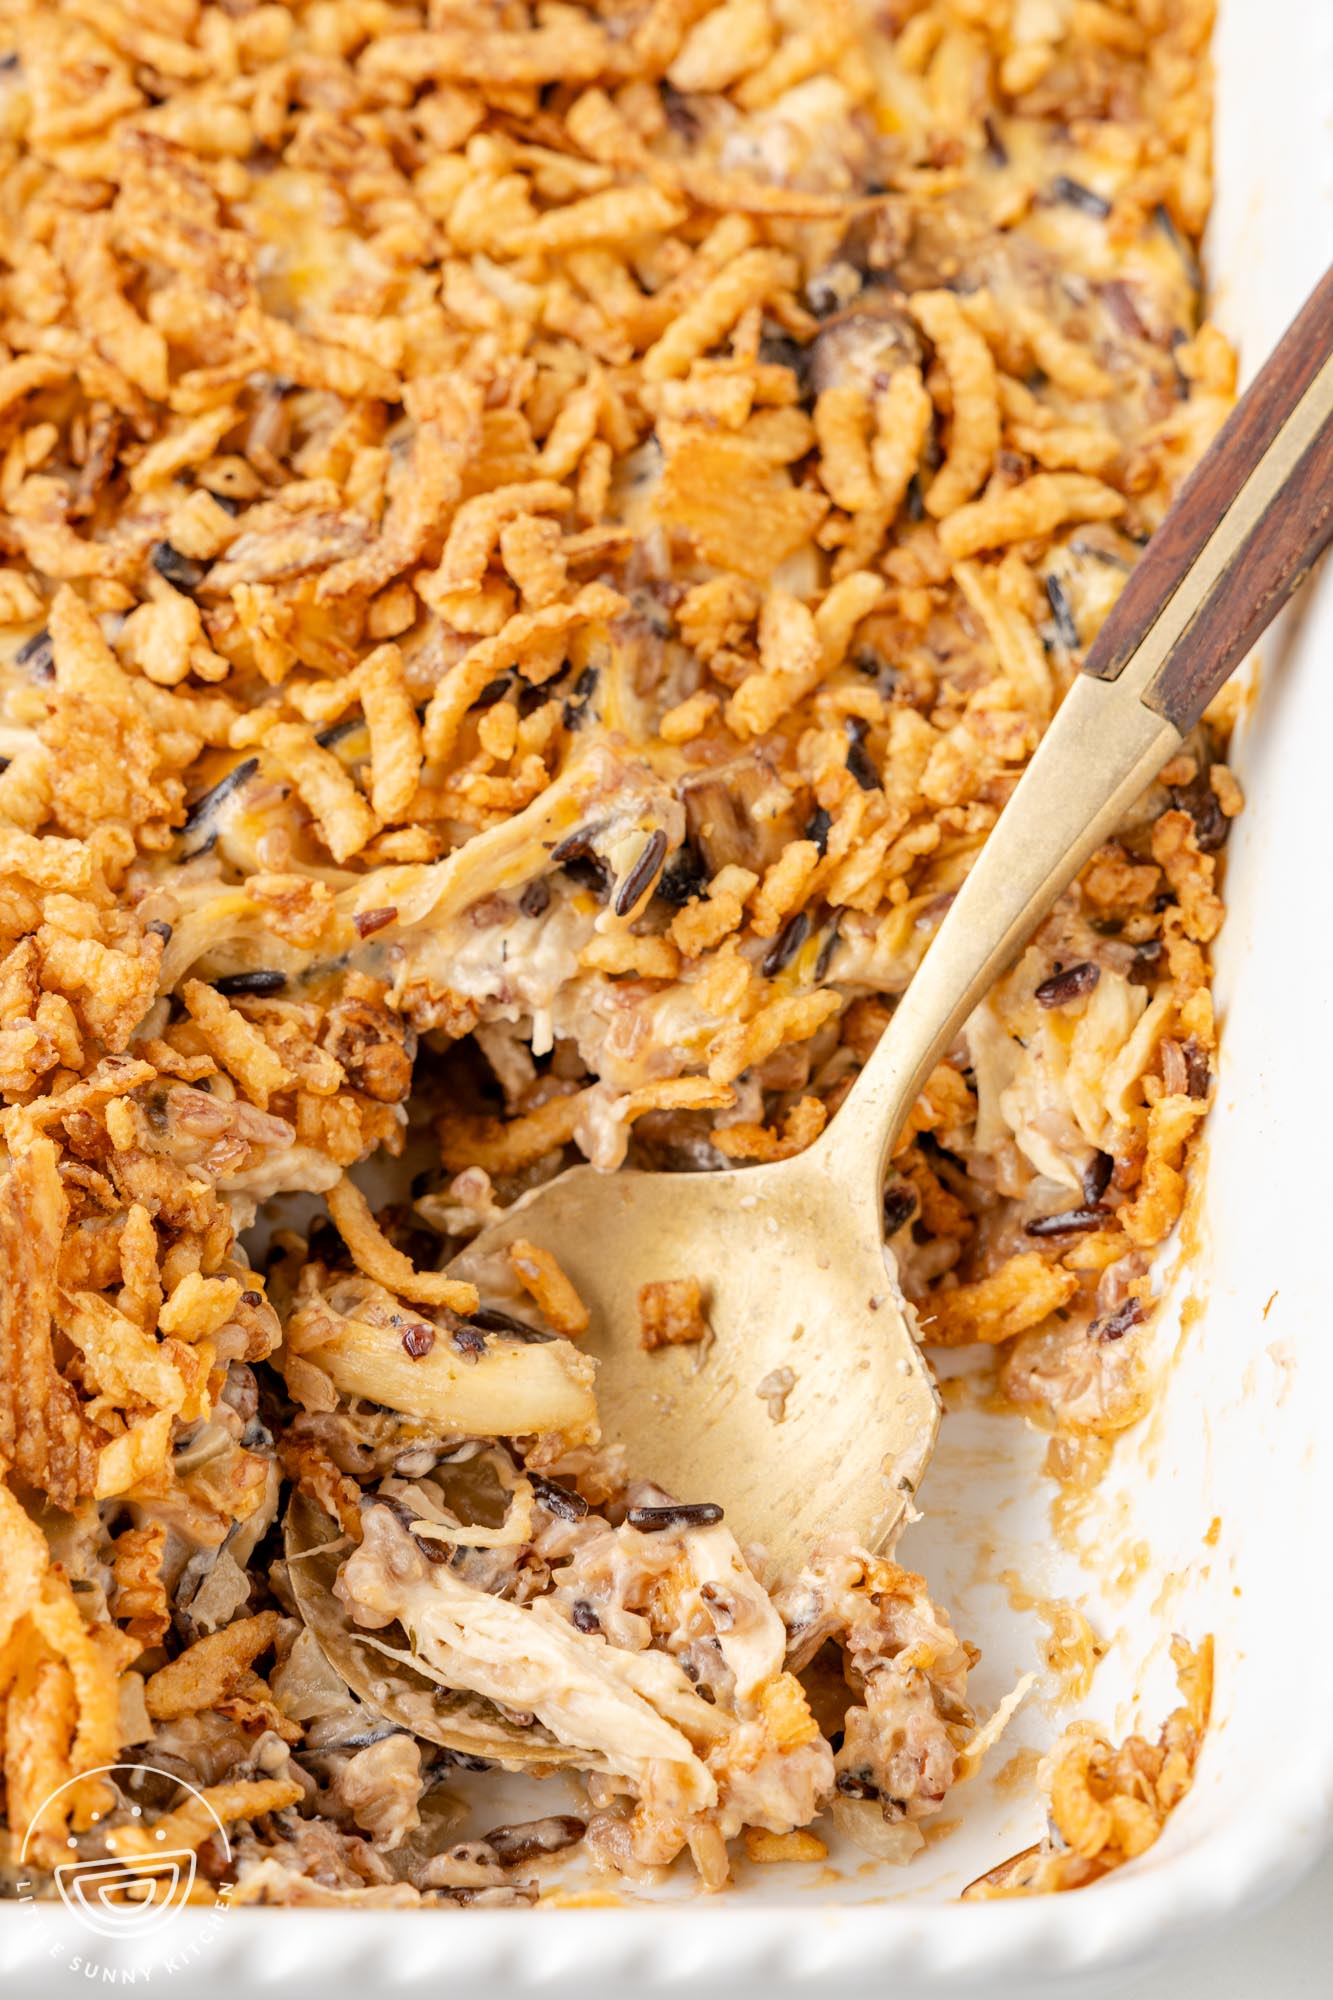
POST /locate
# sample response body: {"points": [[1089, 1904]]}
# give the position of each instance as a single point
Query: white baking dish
{"points": [[1239, 1435]]}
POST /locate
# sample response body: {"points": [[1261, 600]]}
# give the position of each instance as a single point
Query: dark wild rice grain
{"points": [[1119, 302], [558, 1500], [180, 571], [1069, 1222], [580, 859], [786, 944], [642, 875], [1082, 546], [900, 1205], [1117, 1324], [338, 732], [1200, 801], [1071, 982], [1198, 1075], [721, 1606], [826, 951], [433, 1551], [858, 757], [1189, 262], [264, 979], [683, 878], [515, 1845], [1062, 612], [1074, 195], [37, 656], [996, 150], [575, 711], [208, 802], [656, 1520], [491, 1320]]}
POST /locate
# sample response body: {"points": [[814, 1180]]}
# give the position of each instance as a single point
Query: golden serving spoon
{"points": [[791, 1256]]}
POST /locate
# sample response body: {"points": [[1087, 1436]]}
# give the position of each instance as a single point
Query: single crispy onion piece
{"points": [[316, 1548], [507, 1388]]}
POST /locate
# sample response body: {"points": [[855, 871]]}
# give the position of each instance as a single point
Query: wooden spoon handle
{"points": [[1245, 528]]}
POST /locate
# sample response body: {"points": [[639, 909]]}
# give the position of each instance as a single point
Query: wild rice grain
{"points": [[37, 656], [1074, 195], [208, 802], [900, 1205], [558, 1500], [1072, 982], [1065, 628], [264, 979], [858, 757], [180, 571], [642, 875], [786, 944], [657, 1520], [516, 1845], [1117, 1324], [1069, 1222], [490, 1320], [817, 828]]}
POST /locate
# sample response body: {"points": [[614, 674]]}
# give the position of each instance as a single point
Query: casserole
{"points": [[1148, 1522]]}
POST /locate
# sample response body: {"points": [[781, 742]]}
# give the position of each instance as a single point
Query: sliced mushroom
{"points": [[864, 345], [742, 813], [878, 238]]}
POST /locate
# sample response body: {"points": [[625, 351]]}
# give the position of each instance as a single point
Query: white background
{"points": [[1284, 1953]]}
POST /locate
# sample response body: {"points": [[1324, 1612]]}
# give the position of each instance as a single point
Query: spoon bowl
{"points": [[792, 1268]]}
